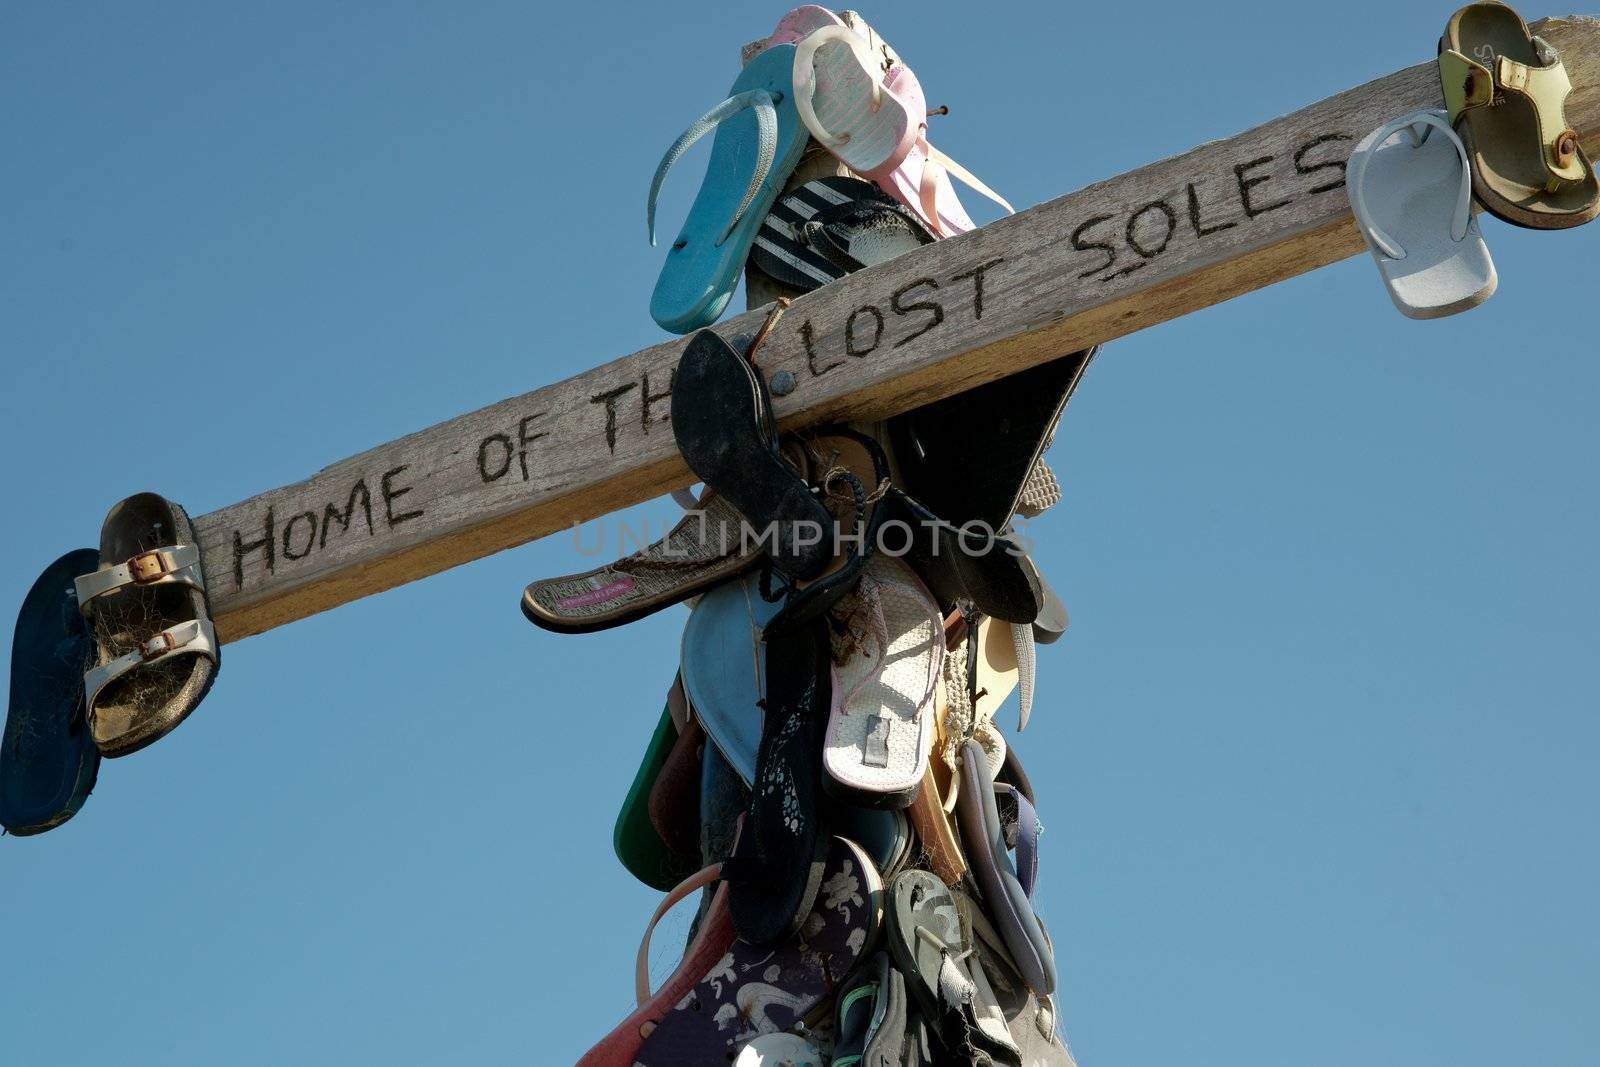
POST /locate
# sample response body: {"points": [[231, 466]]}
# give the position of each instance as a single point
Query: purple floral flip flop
{"points": [[754, 990]]}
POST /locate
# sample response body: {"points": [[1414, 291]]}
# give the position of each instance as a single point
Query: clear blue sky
{"points": [[1317, 759]]}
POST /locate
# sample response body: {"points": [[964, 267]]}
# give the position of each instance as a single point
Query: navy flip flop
{"points": [[777, 864], [48, 761], [1007, 888]]}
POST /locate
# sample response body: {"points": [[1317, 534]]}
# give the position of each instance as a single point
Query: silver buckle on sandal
{"points": [[149, 567], [157, 646]]}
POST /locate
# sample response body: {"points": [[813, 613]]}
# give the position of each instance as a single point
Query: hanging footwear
{"points": [[831, 227], [706, 548], [1410, 186], [753, 989], [156, 650], [639, 846], [1506, 92], [888, 650], [932, 947], [759, 141], [723, 423], [1007, 888], [850, 475], [48, 760], [848, 105], [777, 866]]}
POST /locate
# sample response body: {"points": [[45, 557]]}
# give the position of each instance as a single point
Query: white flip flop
{"points": [[1410, 185], [886, 671]]}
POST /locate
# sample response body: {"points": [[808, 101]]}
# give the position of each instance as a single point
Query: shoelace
{"points": [[765, 106]]}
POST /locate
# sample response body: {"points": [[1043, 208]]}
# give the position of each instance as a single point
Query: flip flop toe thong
{"points": [[1410, 184], [704, 549]]}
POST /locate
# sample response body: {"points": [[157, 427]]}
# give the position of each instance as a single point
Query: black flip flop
{"points": [[777, 864], [867, 232], [865, 468], [967, 457], [992, 572], [831, 227], [48, 761], [723, 422]]}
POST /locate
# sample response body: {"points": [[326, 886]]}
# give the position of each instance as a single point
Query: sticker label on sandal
{"points": [[604, 594]]}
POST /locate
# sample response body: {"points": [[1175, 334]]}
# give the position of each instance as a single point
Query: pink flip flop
{"points": [[922, 180], [802, 22], [873, 117]]}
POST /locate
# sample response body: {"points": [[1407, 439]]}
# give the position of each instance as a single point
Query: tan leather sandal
{"points": [[1506, 92]]}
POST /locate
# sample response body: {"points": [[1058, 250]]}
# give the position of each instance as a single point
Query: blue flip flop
{"points": [[724, 668], [759, 142], [48, 760]]}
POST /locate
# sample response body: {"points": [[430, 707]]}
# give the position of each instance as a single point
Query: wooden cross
{"points": [[1155, 243]]}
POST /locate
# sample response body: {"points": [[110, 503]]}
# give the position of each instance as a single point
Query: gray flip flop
{"points": [[931, 947]]}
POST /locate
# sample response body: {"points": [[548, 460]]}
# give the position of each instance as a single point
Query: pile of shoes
{"points": [[815, 85], [1502, 141], [827, 772], [112, 650], [827, 767]]}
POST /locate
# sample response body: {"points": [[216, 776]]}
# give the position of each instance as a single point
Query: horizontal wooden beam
{"points": [[1224, 219]]}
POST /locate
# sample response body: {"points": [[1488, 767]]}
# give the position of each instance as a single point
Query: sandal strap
{"points": [[1546, 89], [170, 565], [1469, 84], [938, 166], [1418, 126], [1028, 829], [1466, 82], [196, 636], [641, 967], [766, 110], [805, 78]]}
